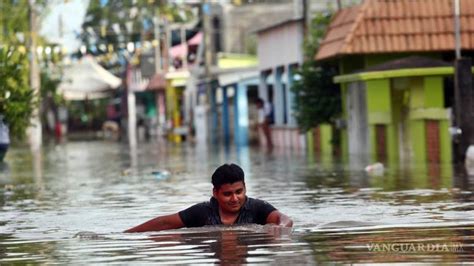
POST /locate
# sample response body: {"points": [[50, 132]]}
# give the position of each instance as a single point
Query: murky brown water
{"points": [[71, 203]]}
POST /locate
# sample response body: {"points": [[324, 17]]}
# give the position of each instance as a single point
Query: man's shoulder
{"points": [[256, 203], [204, 204]]}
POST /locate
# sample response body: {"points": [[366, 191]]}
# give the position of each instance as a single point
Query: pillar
{"points": [[290, 99], [241, 116], [263, 87], [379, 108], [279, 101], [225, 116], [213, 116]]}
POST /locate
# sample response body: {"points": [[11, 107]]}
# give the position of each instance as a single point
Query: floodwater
{"points": [[71, 203]]}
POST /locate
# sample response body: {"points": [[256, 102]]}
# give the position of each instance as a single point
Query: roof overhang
{"points": [[277, 25], [228, 78], [398, 73], [177, 78]]}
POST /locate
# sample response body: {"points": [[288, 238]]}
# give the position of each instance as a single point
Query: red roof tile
{"points": [[384, 26]]}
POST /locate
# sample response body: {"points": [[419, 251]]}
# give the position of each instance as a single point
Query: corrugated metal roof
{"points": [[390, 26]]}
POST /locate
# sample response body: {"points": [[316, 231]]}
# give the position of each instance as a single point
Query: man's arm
{"points": [[159, 223], [278, 218]]}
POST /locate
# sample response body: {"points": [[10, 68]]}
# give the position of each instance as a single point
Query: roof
{"points": [[86, 79], [409, 62], [278, 24], [412, 66], [393, 26]]}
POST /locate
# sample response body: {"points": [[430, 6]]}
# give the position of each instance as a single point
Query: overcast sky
{"points": [[72, 12]]}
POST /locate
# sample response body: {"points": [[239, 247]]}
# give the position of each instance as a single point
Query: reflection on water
{"points": [[70, 203], [421, 244]]}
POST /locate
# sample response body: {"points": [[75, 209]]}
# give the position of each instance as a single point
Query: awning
{"points": [[181, 49], [86, 79], [237, 76], [178, 78]]}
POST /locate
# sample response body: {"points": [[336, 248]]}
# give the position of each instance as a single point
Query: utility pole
{"points": [[157, 43], [306, 16], [34, 130], [206, 9], [463, 93], [185, 46], [204, 101]]}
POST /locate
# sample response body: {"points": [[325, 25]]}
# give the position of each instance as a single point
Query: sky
{"points": [[72, 12]]}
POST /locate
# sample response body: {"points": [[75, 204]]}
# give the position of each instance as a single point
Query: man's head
{"points": [[227, 174], [229, 187], [259, 103]]}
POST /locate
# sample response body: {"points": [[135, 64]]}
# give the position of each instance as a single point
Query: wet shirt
{"points": [[266, 112], [254, 211]]}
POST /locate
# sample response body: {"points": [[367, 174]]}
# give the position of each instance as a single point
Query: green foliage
{"points": [[99, 21], [49, 86], [17, 100], [14, 19], [316, 33], [317, 98]]}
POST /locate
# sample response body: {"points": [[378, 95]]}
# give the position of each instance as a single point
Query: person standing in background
{"points": [[265, 118], [4, 138]]}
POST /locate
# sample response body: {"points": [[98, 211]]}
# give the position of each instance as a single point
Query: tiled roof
{"points": [[392, 26]]}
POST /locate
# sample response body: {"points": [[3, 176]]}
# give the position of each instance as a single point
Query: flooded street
{"points": [[71, 204]]}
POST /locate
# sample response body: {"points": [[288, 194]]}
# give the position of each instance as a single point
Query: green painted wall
{"points": [[418, 141], [418, 101], [434, 94], [417, 93], [423, 96], [399, 99], [326, 139], [344, 133], [445, 145], [378, 96], [379, 105]]}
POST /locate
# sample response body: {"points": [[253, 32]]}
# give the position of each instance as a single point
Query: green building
{"points": [[395, 60]]}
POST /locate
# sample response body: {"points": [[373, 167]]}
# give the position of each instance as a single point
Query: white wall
{"points": [[280, 46]]}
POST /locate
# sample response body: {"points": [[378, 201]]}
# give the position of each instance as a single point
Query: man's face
{"points": [[231, 197]]}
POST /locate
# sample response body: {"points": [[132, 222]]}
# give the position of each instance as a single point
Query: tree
{"points": [[317, 98], [106, 22], [17, 100]]}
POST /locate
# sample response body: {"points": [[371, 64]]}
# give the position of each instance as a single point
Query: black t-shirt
{"points": [[254, 211]]}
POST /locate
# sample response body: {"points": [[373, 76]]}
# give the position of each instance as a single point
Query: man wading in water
{"points": [[229, 205]]}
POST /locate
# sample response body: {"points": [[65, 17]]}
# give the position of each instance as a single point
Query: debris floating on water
{"points": [[375, 169], [88, 235], [161, 174], [469, 162]]}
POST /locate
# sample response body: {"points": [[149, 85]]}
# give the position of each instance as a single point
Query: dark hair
{"points": [[259, 101], [227, 174]]}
